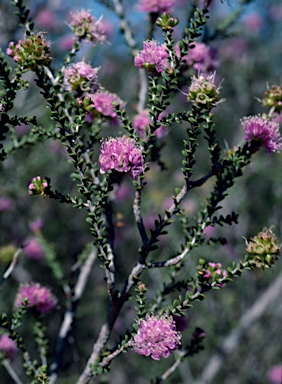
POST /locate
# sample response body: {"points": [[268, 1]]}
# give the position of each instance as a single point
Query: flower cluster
{"points": [[81, 77], [85, 26], [263, 249], [102, 102], [30, 52], [121, 154], [38, 186], [8, 348], [262, 131], [203, 90], [156, 337], [33, 249], [273, 98], [156, 6], [203, 58], [37, 296], [152, 57], [210, 272]]}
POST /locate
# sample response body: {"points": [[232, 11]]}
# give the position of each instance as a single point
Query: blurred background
{"points": [[247, 56]]}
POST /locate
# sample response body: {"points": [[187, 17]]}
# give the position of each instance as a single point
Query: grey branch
{"points": [[232, 340]]}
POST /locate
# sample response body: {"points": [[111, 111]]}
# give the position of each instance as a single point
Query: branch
{"points": [[230, 343], [11, 266], [70, 312]]}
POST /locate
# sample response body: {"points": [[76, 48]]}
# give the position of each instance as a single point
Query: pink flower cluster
{"points": [[152, 57], [8, 347], [141, 123], [85, 26], [157, 337], [202, 57], [102, 102], [121, 154], [33, 249], [156, 6], [39, 297], [263, 131], [81, 77]]}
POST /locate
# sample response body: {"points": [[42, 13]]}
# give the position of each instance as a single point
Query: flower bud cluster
{"points": [[263, 249], [273, 98], [30, 52], [81, 77], [85, 26], [166, 22], [38, 186], [211, 272], [203, 90]]}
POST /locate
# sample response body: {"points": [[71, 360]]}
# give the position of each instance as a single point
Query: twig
{"points": [[228, 345], [125, 26], [70, 312], [6, 364], [11, 266]]}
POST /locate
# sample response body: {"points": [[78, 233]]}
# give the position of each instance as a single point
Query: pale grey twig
{"points": [[229, 344]]}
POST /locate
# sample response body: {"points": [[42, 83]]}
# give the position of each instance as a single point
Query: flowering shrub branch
{"points": [[109, 141]]}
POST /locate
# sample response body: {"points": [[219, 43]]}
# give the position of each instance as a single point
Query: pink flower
{"points": [[6, 204], [202, 57], [39, 297], [157, 337], [81, 77], [122, 155], [152, 57], [46, 19], [33, 249], [263, 131], [275, 374], [141, 123], [8, 347], [103, 102], [85, 26], [156, 6]]}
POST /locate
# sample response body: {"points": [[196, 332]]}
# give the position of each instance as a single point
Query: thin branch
{"points": [[11, 266], [230, 343], [6, 364], [70, 312], [125, 26]]}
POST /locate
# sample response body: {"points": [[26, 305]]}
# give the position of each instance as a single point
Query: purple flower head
{"points": [[39, 297], [81, 77], [141, 123], [157, 337], [103, 101], [274, 375], [122, 155], [156, 6], [33, 249], [202, 57], [8, 347], [152, 57], [85, 26], [263, 131]]}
